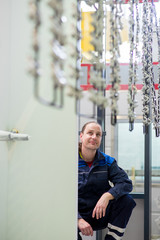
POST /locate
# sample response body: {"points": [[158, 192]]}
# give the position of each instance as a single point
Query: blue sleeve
{"points": [[79, 216], [119, 178]]}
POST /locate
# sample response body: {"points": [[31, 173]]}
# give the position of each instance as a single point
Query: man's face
{"points": [[91, 137]]}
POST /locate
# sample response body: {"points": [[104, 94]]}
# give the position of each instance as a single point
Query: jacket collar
{"points": [[99, 156]]}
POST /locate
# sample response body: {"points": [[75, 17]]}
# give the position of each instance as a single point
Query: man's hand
{"points": [[85, 227], [100, 209]]}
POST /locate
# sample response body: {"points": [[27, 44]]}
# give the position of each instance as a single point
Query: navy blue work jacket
{"points": [[95, 180]]}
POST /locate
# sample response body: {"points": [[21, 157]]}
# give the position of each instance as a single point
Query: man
{"points": [[99, 204]]}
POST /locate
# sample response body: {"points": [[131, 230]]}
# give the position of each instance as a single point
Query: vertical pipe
{"points": [[101, 111], [101, 121], [147, 184]]}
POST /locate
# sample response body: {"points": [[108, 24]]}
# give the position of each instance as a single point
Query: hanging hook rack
{"points": [[58, 53]]}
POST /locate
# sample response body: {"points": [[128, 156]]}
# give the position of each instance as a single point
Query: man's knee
{"points": [[124, 204], [128, 201]]}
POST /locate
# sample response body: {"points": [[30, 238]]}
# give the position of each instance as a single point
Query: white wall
{"points": [[38, 178], [4, 107]]}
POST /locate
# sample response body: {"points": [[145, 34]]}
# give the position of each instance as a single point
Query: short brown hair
{"points": [[87, 123]]}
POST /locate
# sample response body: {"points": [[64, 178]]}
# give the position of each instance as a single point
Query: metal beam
{"points": [[101, 121], [147, 183]]}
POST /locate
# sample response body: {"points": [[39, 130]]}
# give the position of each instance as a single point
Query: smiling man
{"points": [[99, 204]]}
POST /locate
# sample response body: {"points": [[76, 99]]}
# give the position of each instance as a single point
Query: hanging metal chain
{"points": [[157, 29], [137, 54], [158, 38], [96, 76], [133, 64], [115, 41], [145, 68], [97, 79], [131, 67], [150, 60], [34, 15], [156, 100], [58, 52], [75, 90]]}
